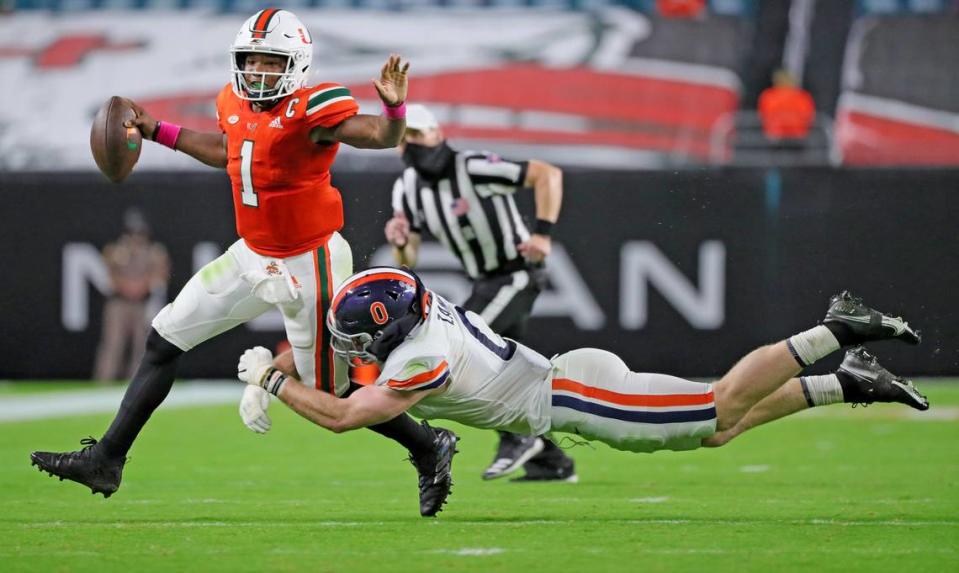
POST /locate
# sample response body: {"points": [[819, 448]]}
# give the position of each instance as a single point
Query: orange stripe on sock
{"points": [[632, 399]]}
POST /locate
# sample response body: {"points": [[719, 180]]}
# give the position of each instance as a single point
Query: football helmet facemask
{"points": [[373, 312], [277, 33]]}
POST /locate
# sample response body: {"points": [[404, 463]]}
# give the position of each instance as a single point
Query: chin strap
{"points": [[394, 335]]}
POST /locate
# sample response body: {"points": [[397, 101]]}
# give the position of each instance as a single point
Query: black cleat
{"points": [[863, 324], [865, 381], [435, 470], [513, 451], [87, 466], [549, 469]]}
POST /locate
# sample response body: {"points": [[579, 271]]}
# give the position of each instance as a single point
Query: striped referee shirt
{"points": [[470, 210]]}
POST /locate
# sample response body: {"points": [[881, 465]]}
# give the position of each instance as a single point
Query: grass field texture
{"points": [[836, 489]]}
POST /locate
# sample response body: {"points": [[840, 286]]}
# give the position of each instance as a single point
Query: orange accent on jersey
{"points": [[290, 206], [419, 378], [364, 374]]}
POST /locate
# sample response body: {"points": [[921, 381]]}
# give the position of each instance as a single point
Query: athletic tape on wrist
{"points": [[395, 112], [273, 382], [167, 134]]}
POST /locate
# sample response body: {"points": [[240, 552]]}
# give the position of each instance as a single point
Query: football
{"points": [[115, 148]]}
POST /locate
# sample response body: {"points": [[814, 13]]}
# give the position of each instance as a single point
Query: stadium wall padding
{"points": [[678, 272]]}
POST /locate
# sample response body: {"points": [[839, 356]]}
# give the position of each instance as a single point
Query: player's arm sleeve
{"points": [[328, 105], [419, 374]]}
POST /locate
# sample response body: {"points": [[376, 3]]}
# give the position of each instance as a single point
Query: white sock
{"points": [[808, 347], [821, 390]]}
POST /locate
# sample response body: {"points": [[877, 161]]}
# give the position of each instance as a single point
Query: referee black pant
{"points": [[506, 301]]}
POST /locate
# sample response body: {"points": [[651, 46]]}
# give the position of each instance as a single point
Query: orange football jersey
{"points": [[282, 196]]}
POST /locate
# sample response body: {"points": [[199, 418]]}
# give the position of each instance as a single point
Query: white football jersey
{"points": [[491, 382]]}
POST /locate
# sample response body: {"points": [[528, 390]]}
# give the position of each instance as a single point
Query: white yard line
{"points": [[885, 412], [497, 523], [17, 408]]}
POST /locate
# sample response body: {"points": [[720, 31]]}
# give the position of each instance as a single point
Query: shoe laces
{"points": [[848, 296], [569, 442], [88, 443], [866, 356]]}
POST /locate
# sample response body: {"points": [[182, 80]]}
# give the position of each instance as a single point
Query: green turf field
{"points": [[837, 489]]}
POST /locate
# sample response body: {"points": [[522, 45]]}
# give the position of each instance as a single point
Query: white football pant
{"points": [[218, 298]]}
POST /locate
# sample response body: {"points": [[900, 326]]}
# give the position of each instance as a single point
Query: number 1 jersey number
{"points": [[246, 174]]}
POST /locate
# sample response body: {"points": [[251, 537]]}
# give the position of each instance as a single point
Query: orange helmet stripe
{"points": [[369, 278], [262, 23]]}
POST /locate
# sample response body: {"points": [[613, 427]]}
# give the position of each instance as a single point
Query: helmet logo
{"points": [[379, 313], [303, 37]]}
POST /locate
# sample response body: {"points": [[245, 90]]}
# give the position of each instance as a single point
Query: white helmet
{"points": [[275, 32]]}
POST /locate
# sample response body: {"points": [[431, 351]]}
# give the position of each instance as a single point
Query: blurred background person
{"points": [[786, 110], [138, 266], [681, 8], [453, 195]]}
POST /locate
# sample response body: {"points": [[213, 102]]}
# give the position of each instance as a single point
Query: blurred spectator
{"points": [[137, 265], [680, 8], [786, 111]]}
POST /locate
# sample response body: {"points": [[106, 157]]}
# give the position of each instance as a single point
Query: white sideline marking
{"points": [[498, 524], [472, 551], [46, 405], [21, 552], [757, 469], [903, 413], [660, 499]]}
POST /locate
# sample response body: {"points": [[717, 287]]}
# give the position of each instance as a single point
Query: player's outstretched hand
{"points": [[253, 407], [397, 230], [392, 84], [253, 365], [143, 121], [536, 248]]}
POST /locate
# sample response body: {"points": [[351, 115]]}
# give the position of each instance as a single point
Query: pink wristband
{"points": [[397, 112], [167, 134]]}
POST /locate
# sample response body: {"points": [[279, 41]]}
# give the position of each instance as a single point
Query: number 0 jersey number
{"points": [[246, 174]]}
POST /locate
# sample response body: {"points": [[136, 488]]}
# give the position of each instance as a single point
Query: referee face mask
{"points": [[430, 162]]}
